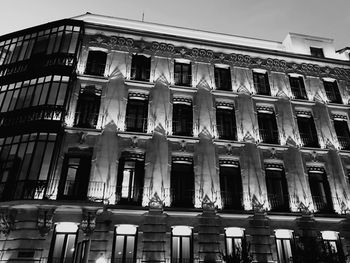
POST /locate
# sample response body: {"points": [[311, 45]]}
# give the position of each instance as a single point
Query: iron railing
{"points": [[86, 120], [278, 202], [269, 136], [182, 198], [344, 142], [36, 113], [321, 204], [183, 127], [232, 200], [129, 195], [308, 140], [136, 124]]}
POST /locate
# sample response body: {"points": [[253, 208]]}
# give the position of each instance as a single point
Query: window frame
{"points": [[222, 77], [182, 77], [140, 67], [182, 118], [94, 63], [136, 114], [291, 244], [180, 248], [261, 83], [125, 236], [298, 90], [62, 258], [268, 135], [227, 130]]}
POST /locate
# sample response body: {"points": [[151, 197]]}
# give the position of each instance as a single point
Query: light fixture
{"points": [[66, 227], [126, 229], [182, 230], [284, 233], [329, 235], [234, 232]]}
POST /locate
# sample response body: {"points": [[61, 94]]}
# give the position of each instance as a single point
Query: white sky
{"points": [[265, 19]]}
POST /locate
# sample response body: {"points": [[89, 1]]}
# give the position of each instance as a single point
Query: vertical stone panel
{"points": [[247, 124], [280, 86], [286, 122], [242, 80]]}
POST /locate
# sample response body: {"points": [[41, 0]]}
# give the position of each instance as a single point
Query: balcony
{"points": [[72, 190], [269, 136], [298, 93], [321, 204], [344, 142], [22, 190], [232, 200], [182, 198], [129, 195], [309, 141], [86, 120], [59, 59], [37, 113], [278, 203]]}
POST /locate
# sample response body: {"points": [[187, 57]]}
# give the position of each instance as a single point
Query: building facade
{"points": [[124, 141]]}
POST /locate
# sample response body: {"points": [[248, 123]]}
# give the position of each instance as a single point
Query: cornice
{"points": [[114, 43]]}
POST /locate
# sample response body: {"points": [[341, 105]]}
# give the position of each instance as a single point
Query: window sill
{"points": [[139, 83]]}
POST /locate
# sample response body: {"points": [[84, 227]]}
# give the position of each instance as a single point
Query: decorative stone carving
{"points": [[207, 204], [277, 65], [45, 221], [155, 202], [6, 220], [88, 223], [257, 205]]}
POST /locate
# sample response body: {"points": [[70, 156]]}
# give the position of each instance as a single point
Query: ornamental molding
{"points": [[273, 166], [45, 220], [206, 55], [182, 159], [230, 162], [339, 117], [7, 219], [264, 109], [88, 222]]}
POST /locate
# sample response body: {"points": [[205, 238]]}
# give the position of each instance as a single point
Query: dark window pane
{"points": [[342, 131], [298, 88], [222, 78], [136, 115], [96, 63], [307, 131], [226, 123], [182, 184], [268, 128], [182, 119], [182, 74], [261, 83], [332, 91], [316, 52], [140, 68]]}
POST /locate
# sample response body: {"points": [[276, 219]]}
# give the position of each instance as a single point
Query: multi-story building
{"points": [[125, 141]]}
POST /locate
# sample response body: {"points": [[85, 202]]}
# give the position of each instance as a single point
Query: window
{"points": [[261, 83], [316, 52], [284, 241], [124, 244], [136, 115], [332, 91], [231, 184], [130, 178], [82, 252], [342, 130], [222, 78], [63, 243], [307, 131], [74, 181], [298, 88], [25, 164], [332, 247], [140, 67], [268, 127], [320, 191], [182, 117], [182, 182], [181, 244], [236, 247], [226, 122], [96, 63], [88, 107], [277, 189], [182, 74]]}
